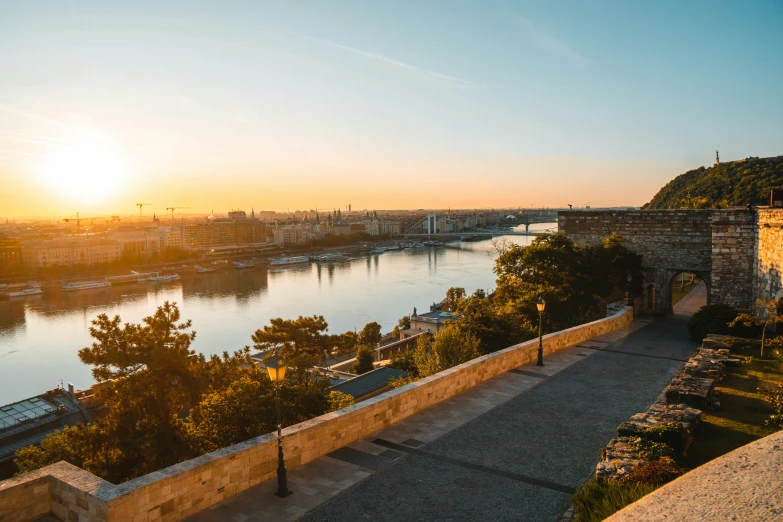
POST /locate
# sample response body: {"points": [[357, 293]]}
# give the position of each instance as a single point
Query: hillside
{"points": [[736, 183]]}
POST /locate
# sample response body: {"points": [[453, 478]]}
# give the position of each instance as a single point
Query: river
{"points": [[41, 335]]}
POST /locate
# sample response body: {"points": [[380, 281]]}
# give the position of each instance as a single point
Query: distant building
{"points": [[10, 253], [237, 229], [146, 241], [371, 225], [431, 322], [340, 228], [70, 251], [291, 234], [391, 228]]}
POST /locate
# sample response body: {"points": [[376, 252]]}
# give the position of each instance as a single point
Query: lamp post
{"points": [[276, 368], [628, 278], [540, 304]]}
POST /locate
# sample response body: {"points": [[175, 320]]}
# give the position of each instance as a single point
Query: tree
{"points": [[339, 400], [66, 444], [302, 335], [404, 361], [495, 327], [370, 334], [447, 348], [396, 332], [766, 315], [453, 297], [248, 408], [364, 358], [405, 322]]}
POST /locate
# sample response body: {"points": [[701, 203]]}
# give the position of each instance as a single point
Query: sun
{"points": [[84, 167]]}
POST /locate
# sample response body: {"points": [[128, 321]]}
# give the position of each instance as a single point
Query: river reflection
{"points": [[40, 335]]}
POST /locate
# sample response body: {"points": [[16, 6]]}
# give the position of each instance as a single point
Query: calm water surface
{"points": [[40, 335]]}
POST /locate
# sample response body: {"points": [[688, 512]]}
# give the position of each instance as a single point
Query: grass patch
{"points": [[595, 501], [742, 414], [679, 292]]}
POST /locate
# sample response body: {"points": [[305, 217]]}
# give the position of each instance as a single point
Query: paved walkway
{"points": [[513, 448]]}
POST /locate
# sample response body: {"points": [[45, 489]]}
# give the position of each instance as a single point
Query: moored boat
{"points": [[84, 285], [285, 260], [243, 264], [24, 292], [204, 270]]}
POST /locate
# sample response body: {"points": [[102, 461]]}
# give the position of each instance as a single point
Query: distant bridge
{"points": [[492, 233]]}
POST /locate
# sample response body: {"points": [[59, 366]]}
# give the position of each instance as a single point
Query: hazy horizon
{"points": [[408, 105]]}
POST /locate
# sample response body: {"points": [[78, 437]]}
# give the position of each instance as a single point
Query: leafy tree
{"points": [[396, 332], [453, 297], [494, 327], [370, 334], [248, 408], [447, 348], [339, 400], [404, 361], [66, 444], [766, 315], [302, 335], [364, 359]]}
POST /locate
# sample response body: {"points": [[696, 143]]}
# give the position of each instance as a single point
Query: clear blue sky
{"points": [[385, 104]]}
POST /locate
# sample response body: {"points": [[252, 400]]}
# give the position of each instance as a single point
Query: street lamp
{"points": [[540, 304], [628, 278], [276, 368]]}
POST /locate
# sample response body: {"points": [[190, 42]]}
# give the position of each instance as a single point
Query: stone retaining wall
{"points": [[175, 492], [738, 253]]}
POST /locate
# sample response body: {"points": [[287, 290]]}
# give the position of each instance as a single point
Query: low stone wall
{"points": [[175, 492], [744, 484]]}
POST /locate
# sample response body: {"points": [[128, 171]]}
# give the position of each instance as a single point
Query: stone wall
{"points": [[733, 257], [737, 252], [669, 241], [768, 269], [186, 488]]}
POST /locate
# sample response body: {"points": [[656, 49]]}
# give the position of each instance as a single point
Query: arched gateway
{"points": [[720, 246]]}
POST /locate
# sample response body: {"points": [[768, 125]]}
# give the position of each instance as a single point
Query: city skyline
{"points": [[389, 107]]}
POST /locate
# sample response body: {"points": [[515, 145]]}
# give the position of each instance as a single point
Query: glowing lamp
{"points": [[276, 368]]}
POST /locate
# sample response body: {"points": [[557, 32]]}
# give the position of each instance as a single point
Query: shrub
{"points": [[595, 501], [656, 473], [715, 319], [651, 450], [671, 434], [364, 357], [774, 396], [339, 400]]}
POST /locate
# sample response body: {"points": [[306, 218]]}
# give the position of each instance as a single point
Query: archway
{"points": [[681, 284]]}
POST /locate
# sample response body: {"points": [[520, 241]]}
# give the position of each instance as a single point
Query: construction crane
{"points": [[173, 209], [141, 205], [78, 222]]}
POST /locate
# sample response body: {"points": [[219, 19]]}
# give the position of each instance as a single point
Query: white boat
{"points": [[285, 260], [162, 278], [24, 292], [243, 264], [84, 285], [204, 270], [331, 258]]}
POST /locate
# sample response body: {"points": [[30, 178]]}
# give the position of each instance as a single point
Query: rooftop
{"points": [[369, 382]]}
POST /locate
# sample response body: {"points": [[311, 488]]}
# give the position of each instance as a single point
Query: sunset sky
{"points": [[298, 105]]}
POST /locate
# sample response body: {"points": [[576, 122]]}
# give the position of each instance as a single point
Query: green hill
{"points": [[733, 184]]}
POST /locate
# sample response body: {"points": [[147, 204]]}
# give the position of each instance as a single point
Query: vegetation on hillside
{"points": [[730, 184]]}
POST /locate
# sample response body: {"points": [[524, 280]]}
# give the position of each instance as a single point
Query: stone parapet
{"points": [[175, 492], [744, 484]]}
